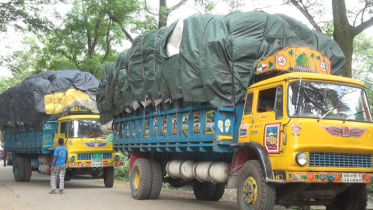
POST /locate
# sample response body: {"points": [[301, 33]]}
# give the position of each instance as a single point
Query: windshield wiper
{"points": [[352, 115], [327, 113]]}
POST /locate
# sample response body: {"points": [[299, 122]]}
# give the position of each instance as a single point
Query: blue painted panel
{"points": [[28, 140], [190, 135]]}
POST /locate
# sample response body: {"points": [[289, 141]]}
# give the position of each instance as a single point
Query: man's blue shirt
{"points": [[61, 154]]}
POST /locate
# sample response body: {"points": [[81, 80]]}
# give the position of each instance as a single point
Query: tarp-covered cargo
{"points": [[211, 58], [49, 93]]}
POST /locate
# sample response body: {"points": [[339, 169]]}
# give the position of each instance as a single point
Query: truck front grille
{"points": [[87, 156], [340, 160]]}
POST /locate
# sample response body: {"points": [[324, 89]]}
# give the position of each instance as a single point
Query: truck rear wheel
{"points": [[354, 198], [28, 169], [19, 170], [109, 177], [252, 191], [157, 177], [204, 191], [141, 179]]}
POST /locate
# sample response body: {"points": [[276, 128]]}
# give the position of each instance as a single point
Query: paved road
{"points": [[90, 195]]}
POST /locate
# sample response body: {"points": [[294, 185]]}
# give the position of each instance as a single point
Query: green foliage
{"points": [[24, 15], [328, 29], [235, 5], [121, 173], [363, 63]]}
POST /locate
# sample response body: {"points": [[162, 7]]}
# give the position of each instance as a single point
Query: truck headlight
{"points": [[117, 157], [301, 159], [72, 158]]}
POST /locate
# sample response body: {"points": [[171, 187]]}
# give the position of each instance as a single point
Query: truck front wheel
{"points": [[252, 191], [109, 177], [354, 198], [19, 169]]}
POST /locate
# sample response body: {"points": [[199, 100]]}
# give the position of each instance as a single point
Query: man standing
{"points": [[58, 166]]}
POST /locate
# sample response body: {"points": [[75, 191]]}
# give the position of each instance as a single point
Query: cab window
{"points": [[63, 127], [249, 103], [279, 102], [266, 101]]}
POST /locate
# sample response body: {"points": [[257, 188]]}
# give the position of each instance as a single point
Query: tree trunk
{"points": [[163, 13], [343, 34], [345, 42]]}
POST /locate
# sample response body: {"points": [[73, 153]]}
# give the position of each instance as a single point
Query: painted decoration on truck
{"points": [[47, 141], [93, 144], [344, 131], [243, 130], [329, 177], [295, 128], [272, 138], [295, 59]]}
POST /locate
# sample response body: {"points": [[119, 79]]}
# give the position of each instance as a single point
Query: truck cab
{"points": [[89, 152], [315, 131]]}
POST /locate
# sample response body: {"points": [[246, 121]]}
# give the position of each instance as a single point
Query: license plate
{"points": [[352, 177], [97, 161]]}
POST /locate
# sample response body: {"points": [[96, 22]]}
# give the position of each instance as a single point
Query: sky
{"points": [[12, 40]]}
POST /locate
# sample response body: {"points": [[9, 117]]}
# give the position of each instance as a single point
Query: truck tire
{"points": [[257, 195], [28, 169], [109, 177], [219, 192], [354, 198], [204, 191], [141, 179], [157, 178], [19, 169]]}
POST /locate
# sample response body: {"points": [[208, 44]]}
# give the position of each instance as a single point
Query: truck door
{"points": [[62, 132], [267, 118], [246, 119]]}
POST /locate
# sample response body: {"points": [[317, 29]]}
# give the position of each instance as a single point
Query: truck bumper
{"points": [[329, 177], [88, 164]]}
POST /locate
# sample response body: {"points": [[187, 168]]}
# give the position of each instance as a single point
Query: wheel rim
{"points": [[136, 179], [249, 192]]}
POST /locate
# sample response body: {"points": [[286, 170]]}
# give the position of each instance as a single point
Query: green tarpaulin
{"points": [[205, 58]]}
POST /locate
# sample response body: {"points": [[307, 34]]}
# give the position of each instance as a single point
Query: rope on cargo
{"points": [[59, 102]]}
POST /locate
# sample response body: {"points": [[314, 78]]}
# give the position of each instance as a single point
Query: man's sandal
{"points": [[52, 192]]}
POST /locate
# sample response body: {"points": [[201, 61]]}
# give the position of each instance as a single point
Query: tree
{"points": [[345, 24], [363, 63], [20, 14], [24, 62], [164, 11], [85, 41]]}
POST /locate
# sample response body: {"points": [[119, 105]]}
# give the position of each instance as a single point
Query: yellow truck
{"points": [[302, 137], [89, 152]]}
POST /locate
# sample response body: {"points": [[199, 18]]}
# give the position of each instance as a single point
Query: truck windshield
{"points": [[86, 129], [335, 101]]}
